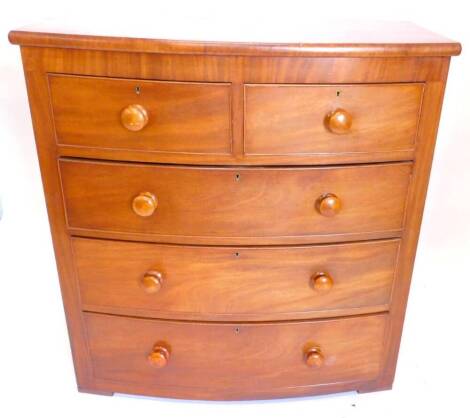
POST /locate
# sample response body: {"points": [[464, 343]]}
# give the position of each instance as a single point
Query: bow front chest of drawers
{"points": [[235, 220]]}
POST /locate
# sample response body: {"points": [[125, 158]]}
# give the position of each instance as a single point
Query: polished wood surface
{"points": [[144, 204], [159, 357], [220, 357], [165, 34], [242, 256], [238, 72], [151, 281], [339, 121], [328, 205], [235, 283], [134, 117], [322, 282], [361, 118], [213, 205], [154, 116], [314, 357]]}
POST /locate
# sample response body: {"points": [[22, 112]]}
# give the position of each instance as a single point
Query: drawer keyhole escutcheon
{"points": [[134, 117], [322, 282], [339, 121], [328, 205], [314, 357], [151, 281], [237, 177], [144, 204], [159, 356]]}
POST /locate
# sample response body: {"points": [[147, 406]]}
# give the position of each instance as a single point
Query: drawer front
{"points": [[171, 117], [247, 204], [234, 360], [331, 119], [244, 283]]}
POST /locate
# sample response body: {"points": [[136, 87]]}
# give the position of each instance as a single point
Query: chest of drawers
{"points": [[235, 220]]}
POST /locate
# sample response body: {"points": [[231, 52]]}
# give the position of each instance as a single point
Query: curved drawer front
{"points": [[245, 283], [203, 360], [226, 205], [142, 115], [331, 119]]}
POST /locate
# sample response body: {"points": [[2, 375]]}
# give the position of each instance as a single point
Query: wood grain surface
{"points": [[234, 283], [220, 190], [293, 119], [214, 205], [182, 117], [180, 35], [231, 361]]}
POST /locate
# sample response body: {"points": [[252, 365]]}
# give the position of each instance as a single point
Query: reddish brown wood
{"points": [[234, 283], [314, 357], [361, 39], [151, 281], [134, 117], [144, 204], [334, 119], [227, 205], [159, 357], [43, 129], [339, 121], [155, 116], [241, 361], [322, 282], [217, 96], [328, 205], [237, 70], [432, 104]]}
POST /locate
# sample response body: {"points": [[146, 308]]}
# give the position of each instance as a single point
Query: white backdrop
{"points": [[36, 373]]}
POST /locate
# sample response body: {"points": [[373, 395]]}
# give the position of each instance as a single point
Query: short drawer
{"points": [[229, 360], [142, 115], [234, 283], [244, 205], [364, 120]]}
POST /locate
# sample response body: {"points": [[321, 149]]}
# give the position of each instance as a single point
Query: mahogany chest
{"points": [[235, 220]]}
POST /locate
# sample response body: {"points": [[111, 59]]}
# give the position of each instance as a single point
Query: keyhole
{"points": [[237, 177], [338, 93], [237, 330], [137, 89], [237, 254]]}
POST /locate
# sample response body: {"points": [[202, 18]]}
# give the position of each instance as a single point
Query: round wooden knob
{"points": [[151, 281], [339, 121], [328, 205], [134, 117], [144, 204], [314, 357], [159, 357], [322, 282]]}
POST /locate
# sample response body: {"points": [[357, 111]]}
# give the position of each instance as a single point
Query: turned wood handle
{"points": [[159, 357], [322, 282], [151, 281], [314, 357], [144, 204], [339, 121], [328, 205], [134, 117]]}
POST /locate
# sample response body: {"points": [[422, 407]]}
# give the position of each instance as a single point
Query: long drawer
{"points": [[229, 360], [234, 283], [243, 205]]}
